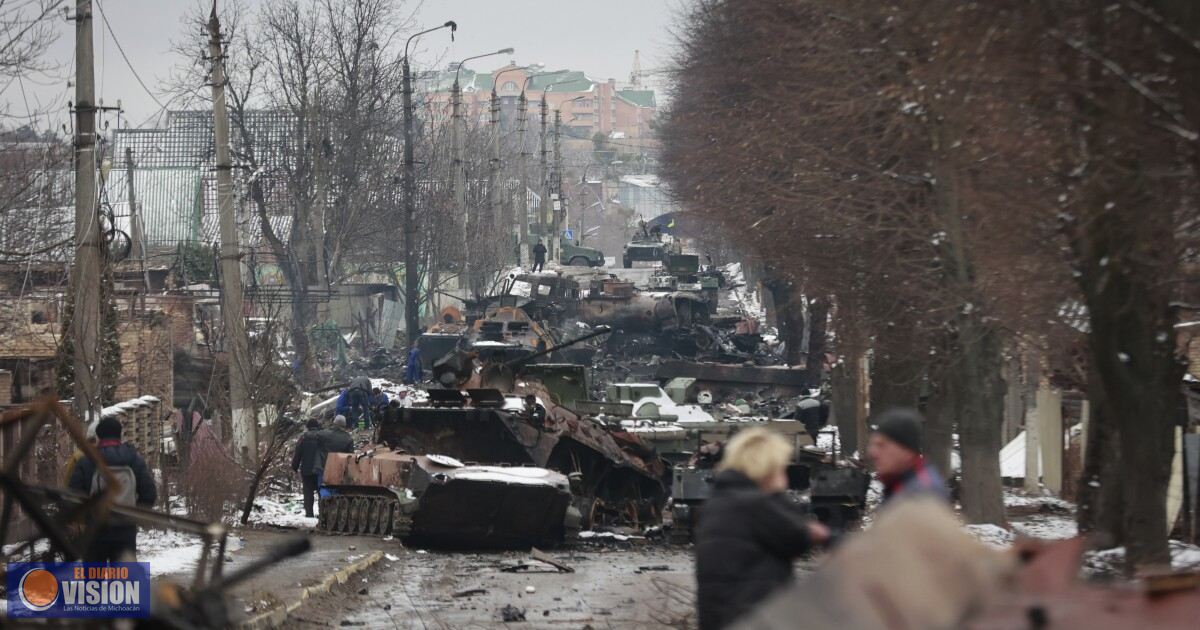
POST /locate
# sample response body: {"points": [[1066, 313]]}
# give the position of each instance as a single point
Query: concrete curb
{"points": [[275, 617]]}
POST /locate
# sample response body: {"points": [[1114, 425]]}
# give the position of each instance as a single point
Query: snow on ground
{"points": [[169, 551], [285, 509], [1051, 518]]}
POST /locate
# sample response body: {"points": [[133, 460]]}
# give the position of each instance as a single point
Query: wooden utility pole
{"points": [[523, 175], [245, 427], [85, 274]]}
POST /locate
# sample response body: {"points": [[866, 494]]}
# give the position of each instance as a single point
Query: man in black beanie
{"points": [[117, 541], [895, 451]]}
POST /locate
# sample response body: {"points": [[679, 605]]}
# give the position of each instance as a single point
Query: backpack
{"points": [[127, 488]]}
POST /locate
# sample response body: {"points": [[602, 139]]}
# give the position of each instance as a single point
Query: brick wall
{"points": [[147, 359]]}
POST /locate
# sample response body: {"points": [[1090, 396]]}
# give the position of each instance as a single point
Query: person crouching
{"points": [[749, 531]]}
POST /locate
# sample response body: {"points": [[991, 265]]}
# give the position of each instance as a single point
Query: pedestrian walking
{"points": [[750, 532], [413, 372], [117, 540], [309, 461], [539, 256], [895, 450], [73, 460]]}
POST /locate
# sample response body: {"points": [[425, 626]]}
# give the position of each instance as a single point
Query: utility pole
{"points": [[85, 275], [545, 172], [558, 207], [457, 176], [245, 426], [135, 225], [412, 316], [495, 222], [523, 201]]}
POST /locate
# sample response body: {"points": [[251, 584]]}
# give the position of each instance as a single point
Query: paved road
{"points": [[633, 587]]}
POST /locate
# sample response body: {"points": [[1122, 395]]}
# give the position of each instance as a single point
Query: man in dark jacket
{"points": [[539, 257], [309, 461], [116, 542], [749, 532], [895, 451], [336, 439]]}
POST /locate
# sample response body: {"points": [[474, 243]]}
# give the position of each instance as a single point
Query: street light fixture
{"points": [[412, 320]]}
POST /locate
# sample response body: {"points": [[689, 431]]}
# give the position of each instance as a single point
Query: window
{"points": [[510, 86]]}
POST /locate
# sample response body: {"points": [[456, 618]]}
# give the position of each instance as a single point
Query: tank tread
{"points": [[365, 515]]}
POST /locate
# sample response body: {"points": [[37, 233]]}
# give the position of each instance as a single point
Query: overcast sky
{"points": [[596, 36]]}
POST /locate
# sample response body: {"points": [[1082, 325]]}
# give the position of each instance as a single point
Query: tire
{"points": [[578, 261]]}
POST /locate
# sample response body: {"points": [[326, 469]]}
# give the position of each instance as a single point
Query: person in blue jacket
{"points": [[413, 373]]}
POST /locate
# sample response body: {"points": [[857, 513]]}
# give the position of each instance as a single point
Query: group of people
{"points": [[313, 448], [362, 405], [750, 533]]}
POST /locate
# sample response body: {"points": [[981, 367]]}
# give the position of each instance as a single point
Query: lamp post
{"points": [[458, 175], [557, 220], [412, 318], [494, 184]]}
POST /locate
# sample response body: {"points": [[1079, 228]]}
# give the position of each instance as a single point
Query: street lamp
{"points": [[412, 320], [456, 177]]}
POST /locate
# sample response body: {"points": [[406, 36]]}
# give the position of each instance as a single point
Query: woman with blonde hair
{"points": [[749, 532]]}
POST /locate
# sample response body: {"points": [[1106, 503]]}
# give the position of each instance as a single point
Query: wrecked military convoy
{"points": [[517, 446]]}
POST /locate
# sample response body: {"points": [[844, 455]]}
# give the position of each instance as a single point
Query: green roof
{"points": [[561, 81], [641, 98]]}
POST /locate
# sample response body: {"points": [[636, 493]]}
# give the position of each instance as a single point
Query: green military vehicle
{"points": [[575, 255]]}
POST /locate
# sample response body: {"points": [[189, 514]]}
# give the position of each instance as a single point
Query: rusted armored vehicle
{"points": [[485, 414], [439, 501]]}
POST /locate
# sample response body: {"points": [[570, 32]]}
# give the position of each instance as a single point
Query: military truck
{"points": [[576, 255]]}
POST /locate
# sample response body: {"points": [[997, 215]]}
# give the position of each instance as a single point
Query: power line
{"points": [[121, 49]]}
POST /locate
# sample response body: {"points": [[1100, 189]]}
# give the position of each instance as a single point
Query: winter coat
{"points": [[309, 458], [114, 453], [920, 479], [539, 252], [342, 406], [745, 544], [336, 440]]}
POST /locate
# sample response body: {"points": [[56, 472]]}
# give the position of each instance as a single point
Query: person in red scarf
{"points": [[895, 451]]}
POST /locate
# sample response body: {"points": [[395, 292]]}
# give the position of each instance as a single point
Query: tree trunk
{"points": [[790, 311], [818, 316], [940, 413], [844, 388], [979, 398], [1101, 499]]}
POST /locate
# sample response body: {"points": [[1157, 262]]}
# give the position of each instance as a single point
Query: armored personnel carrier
{"points": [[439, 501]]}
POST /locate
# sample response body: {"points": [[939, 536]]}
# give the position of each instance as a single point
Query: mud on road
{"points": [[649, 586]]}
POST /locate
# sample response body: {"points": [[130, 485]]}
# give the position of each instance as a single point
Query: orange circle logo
{"points": [[39, 589]]}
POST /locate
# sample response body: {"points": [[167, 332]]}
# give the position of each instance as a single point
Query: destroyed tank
{"points": [[480, 415], [833, 490], [439, 501]]}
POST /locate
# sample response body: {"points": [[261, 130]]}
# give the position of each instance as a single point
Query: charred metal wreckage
{"points": [[513, 452], [68, 521], [535, 473]]}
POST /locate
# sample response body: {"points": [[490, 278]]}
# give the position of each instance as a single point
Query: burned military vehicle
{"points": [[512, 416], [439, 501], [832, 490]]}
